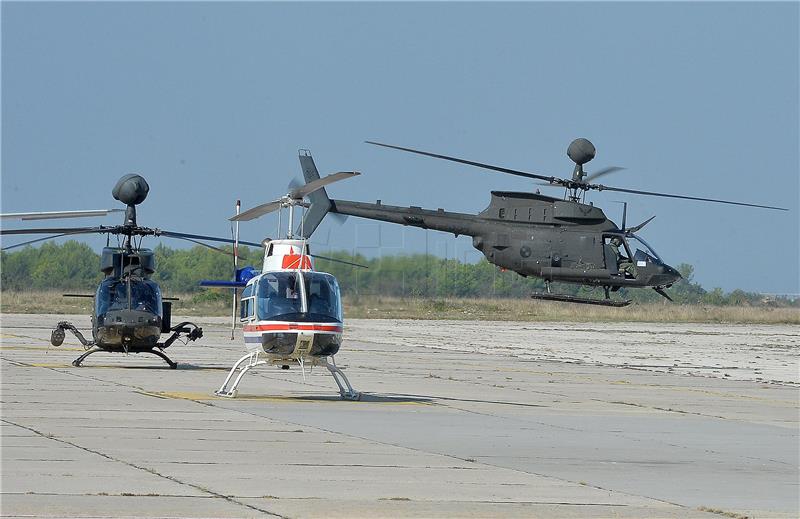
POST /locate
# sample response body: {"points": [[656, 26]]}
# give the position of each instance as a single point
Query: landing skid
{"points": [[157, 353], [582, 300], [190, 330], [252, 360]]}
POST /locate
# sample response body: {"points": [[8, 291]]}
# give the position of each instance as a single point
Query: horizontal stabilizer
{"points": [[243, 275], [223, 284]]}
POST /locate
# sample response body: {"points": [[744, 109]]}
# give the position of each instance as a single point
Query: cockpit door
{"points": [[610, 258], [617, 253], [247, 306]]}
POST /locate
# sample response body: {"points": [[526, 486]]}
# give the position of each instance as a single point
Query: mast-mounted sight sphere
{"points": [[131, 189], [581, 151]]}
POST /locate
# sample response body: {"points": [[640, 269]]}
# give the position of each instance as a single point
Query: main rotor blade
{"points": [[183, 235], [47, 215], [315, 256], [603, 172], [255, 212], [16, 245], [59, 235], [55, 230], [312, 186], [32, 241], [469, 162], [294, 183], [601, 187], [198, 242]]}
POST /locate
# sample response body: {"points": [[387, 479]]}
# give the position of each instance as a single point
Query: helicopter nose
{"points": [[673, 274]]}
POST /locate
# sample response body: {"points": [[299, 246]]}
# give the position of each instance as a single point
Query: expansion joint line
{"points": [[145, 469], [440, 454]]}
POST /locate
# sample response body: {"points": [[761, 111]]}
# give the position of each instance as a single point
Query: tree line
{"points": [[74, 266]]}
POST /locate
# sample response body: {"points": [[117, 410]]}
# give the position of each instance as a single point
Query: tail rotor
{"points": [[314, 190]]}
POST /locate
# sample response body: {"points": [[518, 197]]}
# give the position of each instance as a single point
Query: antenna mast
{"points": [[235, 268]]}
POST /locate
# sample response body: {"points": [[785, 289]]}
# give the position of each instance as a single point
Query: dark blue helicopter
{"points": [[129, 314]]}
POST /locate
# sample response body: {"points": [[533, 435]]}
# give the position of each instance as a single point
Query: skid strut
{"points": [[159, 353], [252, 360], [77, 362], [350, 393]]}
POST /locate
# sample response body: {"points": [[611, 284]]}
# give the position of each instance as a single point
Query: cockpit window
{"points": [[279, 296], [112, 294], [322, 291], [646, 253], [298, 296]]}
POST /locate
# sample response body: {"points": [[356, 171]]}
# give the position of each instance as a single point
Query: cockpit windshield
{"points": [[298, 296], [324, 303], [279, 296], [112, 294], [647, 253]]}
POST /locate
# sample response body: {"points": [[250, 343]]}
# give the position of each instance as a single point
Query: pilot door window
{"points": [[618, 256], [247, 308]]}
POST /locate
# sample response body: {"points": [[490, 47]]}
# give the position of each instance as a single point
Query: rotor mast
{"points": [[290, 203], [131, 190]]}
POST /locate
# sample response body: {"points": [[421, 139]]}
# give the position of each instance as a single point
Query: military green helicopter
{"points": [[129, 313], [556, 239]]}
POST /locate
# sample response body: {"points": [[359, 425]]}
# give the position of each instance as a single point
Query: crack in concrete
{"points": [[403, 446], [352, 436], [145, 469], [445, 455]]}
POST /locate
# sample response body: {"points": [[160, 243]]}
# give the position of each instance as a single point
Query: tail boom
{"points": [[439, 220]]}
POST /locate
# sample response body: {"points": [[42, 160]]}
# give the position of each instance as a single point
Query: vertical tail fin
{"points": [[320, 203]]}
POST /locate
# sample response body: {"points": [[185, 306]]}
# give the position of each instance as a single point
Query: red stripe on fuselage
{"points": [[292, 326]]}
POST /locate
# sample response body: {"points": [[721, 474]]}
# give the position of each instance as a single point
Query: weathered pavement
{"points": [[439, 432]]}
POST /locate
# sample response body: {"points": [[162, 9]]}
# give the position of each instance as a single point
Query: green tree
{"points": [[69, 266], [74, 266]]}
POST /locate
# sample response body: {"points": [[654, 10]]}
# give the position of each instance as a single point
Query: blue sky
{"points": [[210, 102]]}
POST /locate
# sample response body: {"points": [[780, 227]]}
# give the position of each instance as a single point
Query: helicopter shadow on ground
{"points": [[443, 400], [371, 398], [195, 367], [411, 399], [154, 367]]}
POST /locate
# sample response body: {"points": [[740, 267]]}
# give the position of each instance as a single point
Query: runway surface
{"points": [[458, 419]]}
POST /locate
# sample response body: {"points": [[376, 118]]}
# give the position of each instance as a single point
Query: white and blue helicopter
{"points": [[289, 312]]}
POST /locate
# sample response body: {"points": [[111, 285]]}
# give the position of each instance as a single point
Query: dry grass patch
{"points": [[532, 311], [374, 307]]}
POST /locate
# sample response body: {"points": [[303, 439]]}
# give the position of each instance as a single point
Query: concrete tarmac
{"points": [[453, 423]]}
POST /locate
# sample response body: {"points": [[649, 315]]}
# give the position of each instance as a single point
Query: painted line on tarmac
{"points": [[37, 348]]}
